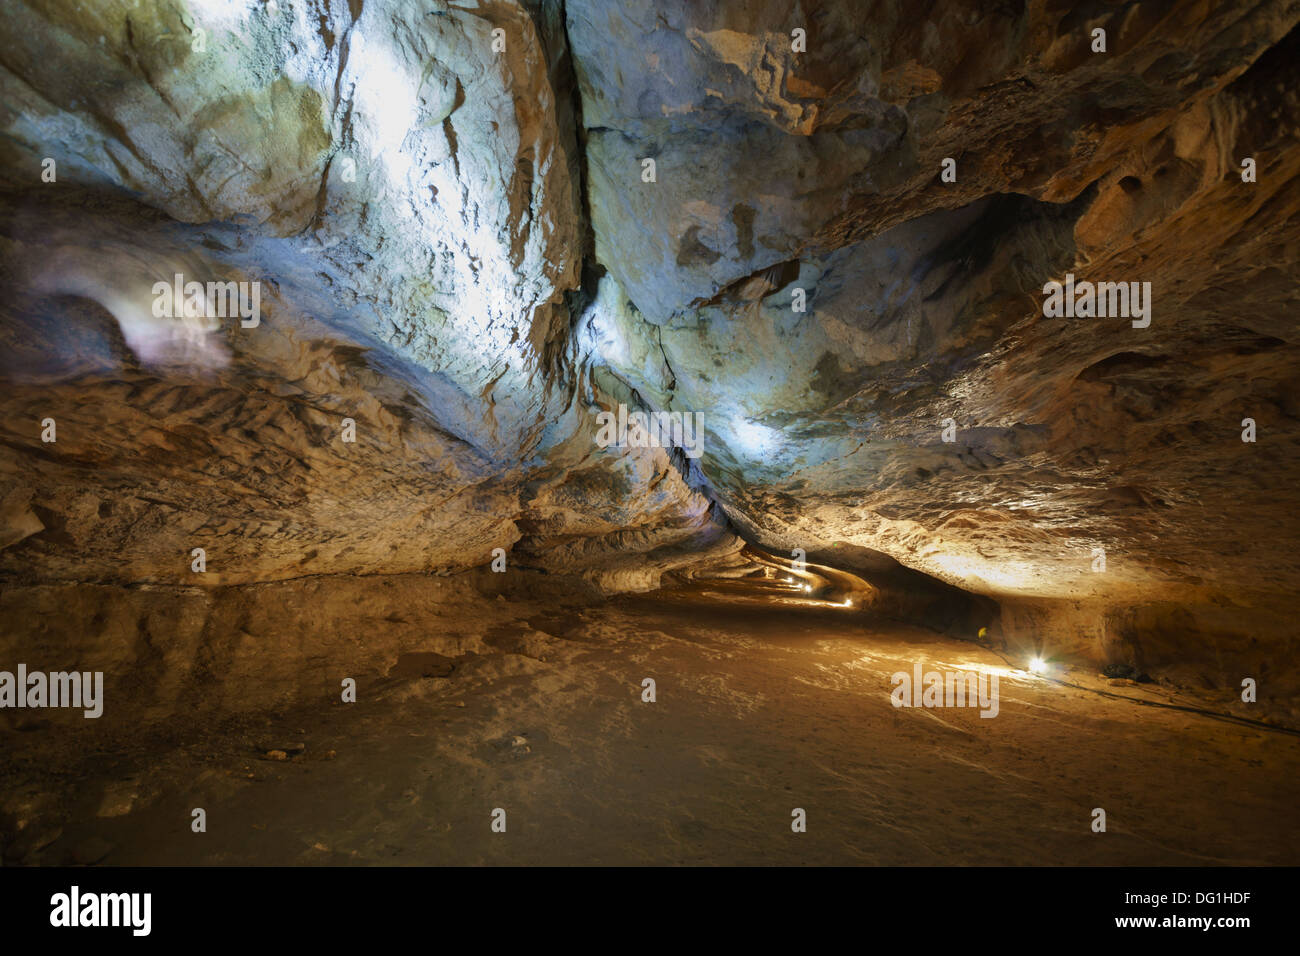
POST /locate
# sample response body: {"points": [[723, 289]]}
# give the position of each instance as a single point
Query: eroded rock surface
{"points": [[407, 196], [818, 175], [446, 207]]}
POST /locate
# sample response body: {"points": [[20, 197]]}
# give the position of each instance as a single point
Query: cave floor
{"points": [[758, 711]]}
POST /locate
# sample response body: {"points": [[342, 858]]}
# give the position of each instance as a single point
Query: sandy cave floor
{"points": [[759, 711]]}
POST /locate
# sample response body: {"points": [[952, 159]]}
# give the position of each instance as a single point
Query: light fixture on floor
{"points": [[1037, 665]]}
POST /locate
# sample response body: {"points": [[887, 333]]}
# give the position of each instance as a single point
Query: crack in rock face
{"points": [[410, 252]]}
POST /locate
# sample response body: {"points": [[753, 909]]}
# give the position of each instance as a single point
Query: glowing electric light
{"points": [[848, 602], [1038, 666], [808, 588]]}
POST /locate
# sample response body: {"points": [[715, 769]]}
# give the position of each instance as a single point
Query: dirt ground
{"points": [[759, 710]]}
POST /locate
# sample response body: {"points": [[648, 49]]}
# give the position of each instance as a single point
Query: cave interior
{"points": [[571, 431]]}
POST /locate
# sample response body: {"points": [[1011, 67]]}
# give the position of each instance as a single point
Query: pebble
{"points": [[286, 751]]}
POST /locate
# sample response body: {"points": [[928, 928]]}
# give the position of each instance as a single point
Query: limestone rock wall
{"points": [[402, 180], [783, 176], [462, 249]]}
